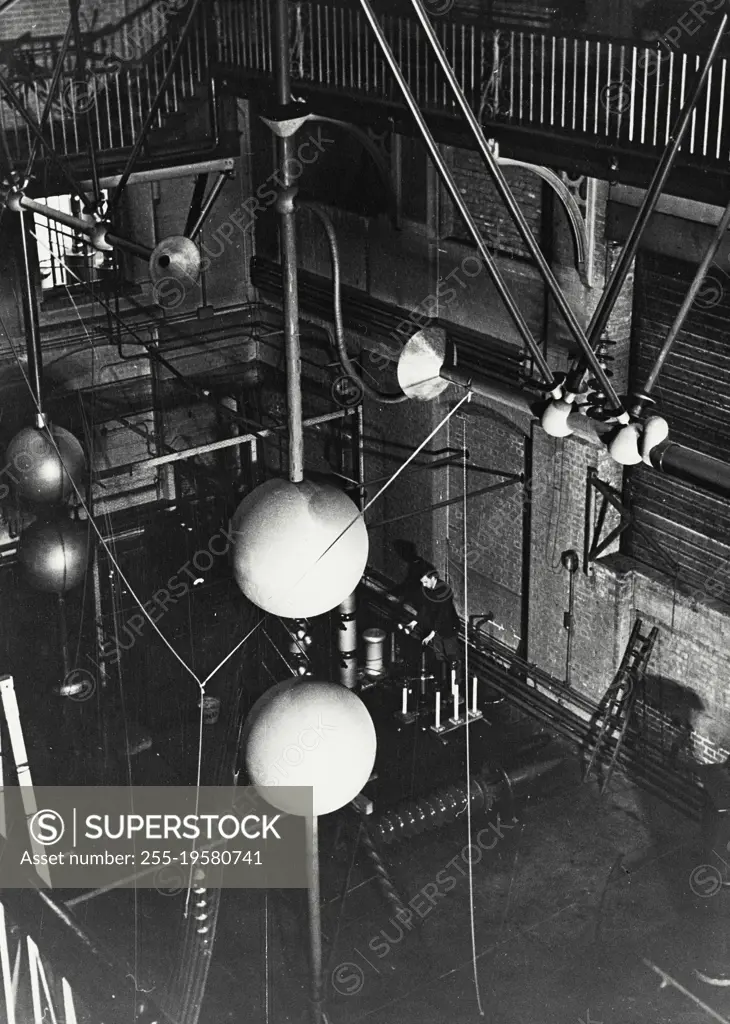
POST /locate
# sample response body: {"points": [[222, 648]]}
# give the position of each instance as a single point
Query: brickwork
{"points": [[488, 209], [38, 18], [494, 523]]}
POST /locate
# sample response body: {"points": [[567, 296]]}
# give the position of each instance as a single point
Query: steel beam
{"points": [[164, 173]]}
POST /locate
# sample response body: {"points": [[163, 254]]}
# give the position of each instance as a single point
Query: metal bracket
{"points": [[594, 546], [576, 217]]}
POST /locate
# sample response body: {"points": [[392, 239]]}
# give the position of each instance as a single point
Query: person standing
{"points": [[432, 600]]}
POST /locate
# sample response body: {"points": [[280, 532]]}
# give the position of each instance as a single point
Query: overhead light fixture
{"points": [[554, 420], [624, 448], [656, 430]]}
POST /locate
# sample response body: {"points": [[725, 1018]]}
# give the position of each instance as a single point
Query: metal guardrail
{"points": [[124, 69], [618, 92]]}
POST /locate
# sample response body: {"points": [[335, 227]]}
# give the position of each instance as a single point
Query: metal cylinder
{"points": [[347, 641], [374, 640], [300, 641]]}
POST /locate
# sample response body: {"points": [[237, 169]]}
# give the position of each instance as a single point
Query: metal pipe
{"points": [[513, 208], [78, 224], [141, 139], [189, 453], [689, 299], [692, 467], [32, 329], [620, 271], [288, 240], [143, 251], [347, 641], [686, 464], [315, 918], [208, 204], [165, 173], [80, 76], [457, 199]]}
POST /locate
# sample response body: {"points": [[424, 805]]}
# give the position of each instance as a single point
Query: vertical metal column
{"points": [[347, 641], [288, 237]]}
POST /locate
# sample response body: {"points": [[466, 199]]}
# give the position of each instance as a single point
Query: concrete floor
{"points": [[568, 904]]}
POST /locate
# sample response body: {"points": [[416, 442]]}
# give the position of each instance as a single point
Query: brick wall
{"points": [[488, 209], [494, 522], [42, 18]]}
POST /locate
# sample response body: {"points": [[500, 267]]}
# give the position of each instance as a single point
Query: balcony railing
{"points": [[623, 94], [124, 69]]}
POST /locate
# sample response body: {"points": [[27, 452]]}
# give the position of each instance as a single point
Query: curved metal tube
{"points": [[566, 197], [347, 365], [381, 166]]}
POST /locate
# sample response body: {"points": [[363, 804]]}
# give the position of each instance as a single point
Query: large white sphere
{"points": [[55, 555], [309, 734], [298, 549], [41, 473]]}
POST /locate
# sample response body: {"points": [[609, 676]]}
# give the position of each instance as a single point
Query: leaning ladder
{"points": [[620, 699]]}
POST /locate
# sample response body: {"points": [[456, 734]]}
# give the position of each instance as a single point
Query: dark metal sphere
{"points": [[54, 555], [39, 475]]}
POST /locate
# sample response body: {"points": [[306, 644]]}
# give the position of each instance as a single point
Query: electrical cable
{"points": [[467, 726]]}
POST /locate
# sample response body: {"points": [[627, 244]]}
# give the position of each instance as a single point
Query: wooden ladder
{"points": [[618, 704]]}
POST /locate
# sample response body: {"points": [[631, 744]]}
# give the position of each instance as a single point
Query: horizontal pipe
{"points": [[143, 251], [229, 442], [692, 467], [165, 173], [670, 458], [81, 226]]}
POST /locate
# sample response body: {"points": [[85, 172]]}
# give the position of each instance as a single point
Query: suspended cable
{"points": [[468, 720]]}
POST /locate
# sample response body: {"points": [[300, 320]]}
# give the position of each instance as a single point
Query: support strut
{"points": [[456, 197]]}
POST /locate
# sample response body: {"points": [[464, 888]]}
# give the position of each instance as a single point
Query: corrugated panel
{"points": [[690, 525]]}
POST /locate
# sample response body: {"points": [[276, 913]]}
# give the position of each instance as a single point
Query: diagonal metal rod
{"points": [[32, 327], [689, 299], [661, 174], [156, 104], [208, 204], [80, 78], [505, 192], [457, 199], [32, 124], [50, 98]]}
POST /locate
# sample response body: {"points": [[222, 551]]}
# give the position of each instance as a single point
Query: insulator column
{"points": [[300, 641], [347, 641]]}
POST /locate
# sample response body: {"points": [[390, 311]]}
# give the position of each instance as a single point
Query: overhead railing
{"points": [[621, 93], [124, 68]]}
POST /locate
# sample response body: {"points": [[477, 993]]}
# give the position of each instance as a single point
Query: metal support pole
{"points": [[83, 227], [315, 918], [458, 200], [80, 76], [689, 299], [620, 271], [208, 204], [32, 329], [168, 173], [513, 208], [288, 238]]}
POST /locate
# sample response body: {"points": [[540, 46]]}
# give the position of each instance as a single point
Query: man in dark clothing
{"points": [[432, 600]]}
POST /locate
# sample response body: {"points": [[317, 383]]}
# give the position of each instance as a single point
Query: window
{"points": [[65, 257]]}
